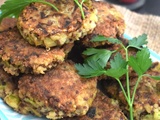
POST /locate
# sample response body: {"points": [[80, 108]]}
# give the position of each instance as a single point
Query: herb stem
{"points": [[128, 98], [135, 88], [48, 3], [131, 111], [80, 5], [127, 76], [128, 88], [124, 92]]}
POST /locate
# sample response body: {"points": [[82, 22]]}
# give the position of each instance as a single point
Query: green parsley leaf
{"points": [[138, 42], [118, 67], [116, 73], [90, 69], [13, 8], [142, 62], [155, 77], [118, 62], [99, 55], [98, 38], [101, 38]]}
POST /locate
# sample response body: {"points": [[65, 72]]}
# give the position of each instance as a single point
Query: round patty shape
{"points": [[18, 56], [59, 93], [41, 25], [110, 24]]}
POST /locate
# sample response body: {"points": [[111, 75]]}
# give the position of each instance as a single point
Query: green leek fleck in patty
{"points": [[41, 25]]}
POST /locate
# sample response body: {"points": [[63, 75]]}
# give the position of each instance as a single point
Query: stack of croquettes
{"points": [[38, 53]]}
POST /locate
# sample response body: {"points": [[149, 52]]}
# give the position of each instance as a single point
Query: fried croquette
{"points": [[7, 83], [18, 56], [41, 25], [147, 99], [110, 24], [61, 92], [103, 108], [9, 92], [8, 88]]}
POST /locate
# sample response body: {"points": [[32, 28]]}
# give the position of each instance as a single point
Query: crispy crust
{"points": [[9, 89], [7, 83], [18, 56], [41, 25], [59, 93], [110, 24], [102, 108]]}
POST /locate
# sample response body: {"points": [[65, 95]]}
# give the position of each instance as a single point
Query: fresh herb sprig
{"points": [[80, 5], [13, 8], [95, 64]]}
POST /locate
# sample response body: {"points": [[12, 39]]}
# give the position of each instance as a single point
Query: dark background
{"points": [[150, 7]]}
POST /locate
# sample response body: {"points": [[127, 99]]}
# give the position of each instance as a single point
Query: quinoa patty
{"points": [[110, 24], [18, 56], [61, 92], [7, 83], [9, 89], [101, 108], [41, 25]]}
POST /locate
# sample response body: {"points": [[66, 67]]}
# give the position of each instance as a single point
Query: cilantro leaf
{"points": [[90, 69], [138, 42], [142, 62], [118, 62], [115, 73], [13, 8], [100, 38], [99, 55]]}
